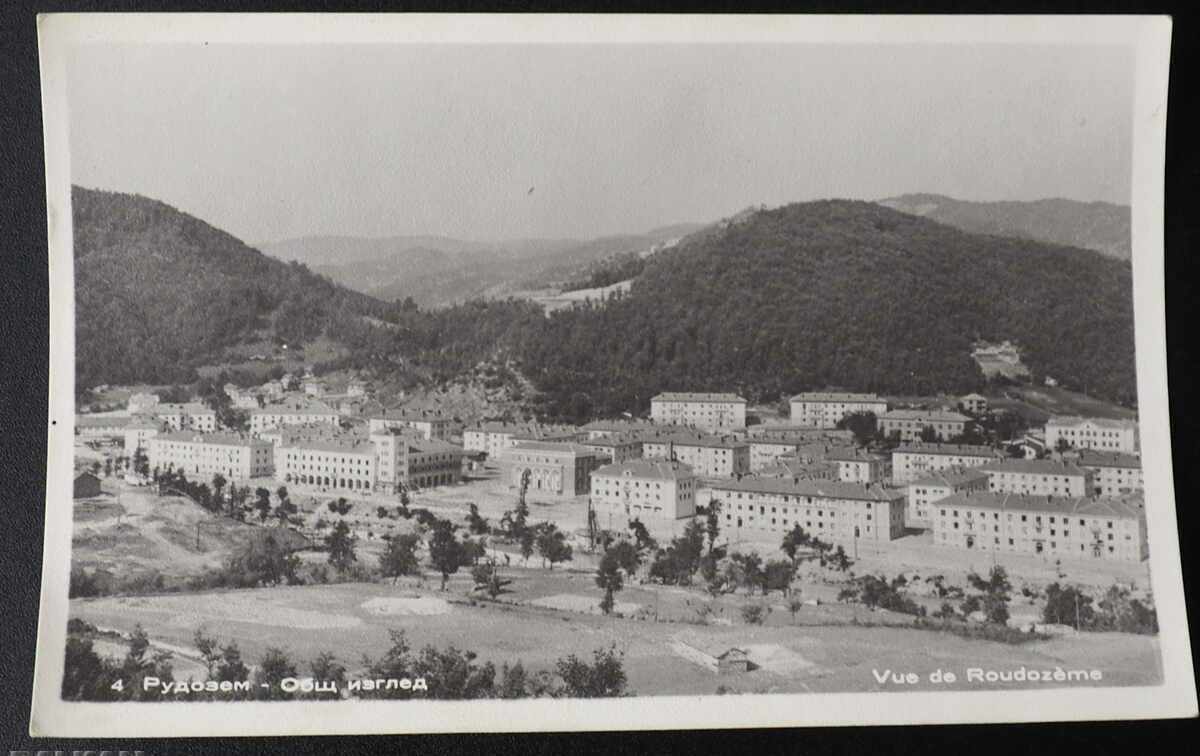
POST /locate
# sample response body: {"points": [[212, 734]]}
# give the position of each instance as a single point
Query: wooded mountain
{"points": [[1100, 226], [838, 293], [158, 292]]}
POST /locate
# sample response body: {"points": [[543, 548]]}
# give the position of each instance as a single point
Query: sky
{"points": [[493, 142]]}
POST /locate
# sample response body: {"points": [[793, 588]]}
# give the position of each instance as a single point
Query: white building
{"points": [[1038, 477], [830, 510], [1113, 473], [555, 467], [825, 409], [643, 489], [1097, 433], [293, 411], [142, 402], [912, 461], [494, 437], [910, 423], [186, 416], [617, 447], [379, 462], [199, 456], [708, 455], [432, 424], [859, 466], [709, 411], [1052, 526], [926, 491], [138, 434]]}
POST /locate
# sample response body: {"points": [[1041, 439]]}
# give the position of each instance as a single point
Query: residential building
{"points": [[860, 466], [825, 409], [186, 416], [1113, 473], [493, 437], [912, 461], [643, 489], [764, 452], [799, 434], [139, 432], [432, 424], [618, 447], [292, 411], [800, 468], [1038, 477], [926, 491], [830, 510], [102, 426], [379, 462], [314, 387], [604, 428], [713, 412], [405, 456], [356, 388], [708, 455], [910, 423], [555, 467], [1097, 433], [199, 456], [1053, 526], [976, 404]]}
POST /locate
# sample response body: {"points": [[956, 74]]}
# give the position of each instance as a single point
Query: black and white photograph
{"points": [[446, 374]]}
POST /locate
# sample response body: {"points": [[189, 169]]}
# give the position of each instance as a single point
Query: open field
{"points": [[805, 657]]}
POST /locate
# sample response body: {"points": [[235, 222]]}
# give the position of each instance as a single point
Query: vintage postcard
{"points": [[486, 373]]}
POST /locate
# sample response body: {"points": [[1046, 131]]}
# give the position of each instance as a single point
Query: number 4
{"points": [[119, 685]]}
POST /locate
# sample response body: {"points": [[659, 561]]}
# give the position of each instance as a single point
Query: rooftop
{"points": [[296, 406], [562, 447], [1132, 506], [951, 477], [212, 439], [617, 439], [1034, 467], [836, 396], [105, 421], [853, 454], [964, 450], [659, 469], [677, 396], [936, 415], [692, 438], [1074, 421], [829, 489], [619, 425], [186, 408], [409, 414], [1093, 458]]}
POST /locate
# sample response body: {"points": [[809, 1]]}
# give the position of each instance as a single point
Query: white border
{"points": [[1150, 36]]}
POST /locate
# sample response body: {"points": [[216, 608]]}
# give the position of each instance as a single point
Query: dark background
{"points": [[24, 358]]}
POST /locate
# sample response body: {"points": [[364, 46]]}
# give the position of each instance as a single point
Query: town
{"points": [[866, 486]]}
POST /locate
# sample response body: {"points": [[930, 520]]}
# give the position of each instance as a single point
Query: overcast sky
{"points": [[498, 142]]}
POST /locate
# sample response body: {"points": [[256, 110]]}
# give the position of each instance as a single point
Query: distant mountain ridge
{"points": [[1099, 226]]}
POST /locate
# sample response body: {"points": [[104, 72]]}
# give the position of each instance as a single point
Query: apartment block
{"points": [[926, 491], [643, 489], [555, 467], [912, 461], [910, 423], [432, 424], [825, 409], [1038, 477], [1097, 433], [292, 411], [708, 455], [712, 412], [1113, 473], [199, 456]]}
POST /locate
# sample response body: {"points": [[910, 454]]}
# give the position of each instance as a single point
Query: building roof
{"points": [[1074, 421], [798, 433], [952, 477], [791, 467], [212, 439], [617, 439], [561, 447], [853, 454], [829, 489], [433, 445], [107, 421], [693, 438], [958, 450], [680, 396], [345, 444], [408, 414], [975, 397], [187, 408], [937, 415], [1034, 467], [144, 422], [1093, 458], [837, 396], [619, 425], [1131, 506], [296, 406], [658, 469]]}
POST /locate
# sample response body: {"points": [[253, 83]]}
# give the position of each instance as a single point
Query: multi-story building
{"points": [[605, 428], [139, 432], [1038, 477], [860, 466], [825, 409], [494, 437], [976, 404], [926, 491], [912, 461], [800, 435], [800, 468], [142, 402], [830, 510], [1097, 433], [713, 412], [186, 416], [379, 462], [1113, 473], [765, 452], [643, 489], [403, 455], [618, 447], [708, 455], [292, 411], [1053, 526], [103, 426], [910, 423], [201, 455], [555, 467], [432, 424]]}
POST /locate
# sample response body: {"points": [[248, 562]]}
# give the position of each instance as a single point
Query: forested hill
{"points": [[158, 292], [839, 293], [1101, 226]]}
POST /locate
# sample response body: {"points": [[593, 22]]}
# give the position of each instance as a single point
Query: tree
{"points": [[604, 678], [445, 551], [476, 523], [995, 592], [794, 605], [487, 577], [340, 507], [755, 614], [609, 579], [526, 538], [778, 575], [273, 668], [263, 560], [400, 556], [641, 536], [552, 544], [929, 434], [1067, 605], [863, 425], [108, 467], [326, 669], [794, 540], [141, 463], [262, 503], [340, 543], [285, 509], [218, 489]]}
